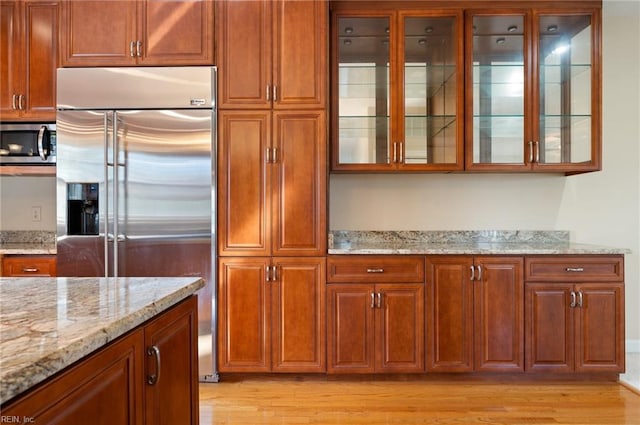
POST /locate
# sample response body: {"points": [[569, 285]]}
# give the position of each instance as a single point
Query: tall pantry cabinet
{"points": [[272, 185]]}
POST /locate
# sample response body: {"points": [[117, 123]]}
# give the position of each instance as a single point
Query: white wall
{"points": [[601, 208], [19, 194]]}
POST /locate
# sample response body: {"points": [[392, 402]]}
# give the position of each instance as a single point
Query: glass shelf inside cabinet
{"points": [[430, 90], [565, 89], [363, 90]]}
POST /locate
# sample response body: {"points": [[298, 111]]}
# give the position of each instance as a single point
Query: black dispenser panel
{"points": [[82, 209]]}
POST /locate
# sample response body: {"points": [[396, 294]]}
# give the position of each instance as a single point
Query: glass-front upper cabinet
{"points": [[532, 93], [397, 85]]}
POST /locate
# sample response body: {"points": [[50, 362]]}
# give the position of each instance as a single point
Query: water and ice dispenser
{"points": [[82, 209]]}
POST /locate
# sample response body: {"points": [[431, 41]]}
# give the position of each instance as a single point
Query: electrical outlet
{"points": [[36, 213]]}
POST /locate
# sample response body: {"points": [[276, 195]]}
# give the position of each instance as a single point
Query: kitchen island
{"points": [[77, 339]]}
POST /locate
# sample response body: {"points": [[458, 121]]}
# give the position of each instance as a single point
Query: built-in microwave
{"points": [[27, 143]]}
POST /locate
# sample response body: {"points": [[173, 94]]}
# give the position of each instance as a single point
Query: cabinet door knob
{"points": [[155, 352]]}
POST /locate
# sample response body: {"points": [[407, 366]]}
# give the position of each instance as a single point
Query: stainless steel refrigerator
{"points": [[136, 179]]}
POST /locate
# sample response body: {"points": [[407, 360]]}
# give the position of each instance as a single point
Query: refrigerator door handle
{"points": [[107, 237], [116, 180]]}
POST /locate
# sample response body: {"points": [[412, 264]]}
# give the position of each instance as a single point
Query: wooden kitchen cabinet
{"points": [[271, 315], [533, 89], [109, 386], [272, 183], [575, 314], [28, 265], [398, 89], [274, 54], [28, 60], [375, 327], [475, 313], [141, 32]]}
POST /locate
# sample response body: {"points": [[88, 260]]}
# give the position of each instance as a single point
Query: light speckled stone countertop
{"points": [[26, 242], [461, 243], [47, 324]]}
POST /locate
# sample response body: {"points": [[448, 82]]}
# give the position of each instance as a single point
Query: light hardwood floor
{"points": [[243, 400]]}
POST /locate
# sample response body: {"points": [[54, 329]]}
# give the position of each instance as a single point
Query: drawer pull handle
{"points": [[574, 269], [30, 270], [375, 270]]}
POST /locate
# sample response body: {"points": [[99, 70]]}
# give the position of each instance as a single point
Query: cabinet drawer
{"points": [[28, 266], [575, 268], [372, 268]]}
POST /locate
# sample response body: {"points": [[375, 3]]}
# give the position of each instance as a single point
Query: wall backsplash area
{"points": [[20, 195]]}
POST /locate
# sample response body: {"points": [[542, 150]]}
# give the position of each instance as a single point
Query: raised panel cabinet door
{"points": [[243, 34], [176, 32], [400, 328], [549, 327], [298, 307], [244, 312], [171, 390], [104, 389], [299, 183], [300, 54], [244, 184], [11, 48], [41, 50], [449, 311], [499, 314], [98, 33], [600, 328], [350, 328]]}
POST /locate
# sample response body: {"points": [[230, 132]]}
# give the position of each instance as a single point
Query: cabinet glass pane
{"points": [[430, 90], [363, 90], [565, 89], [498, 89]]}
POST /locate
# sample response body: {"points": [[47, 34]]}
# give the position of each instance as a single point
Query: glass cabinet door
{"points": [[565, 70], [496, 86], [363, 92], [432, 80]]}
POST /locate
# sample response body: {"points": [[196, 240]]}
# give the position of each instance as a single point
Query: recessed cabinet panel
{"points": [[498, 89], [363, 90], [565, 71]]}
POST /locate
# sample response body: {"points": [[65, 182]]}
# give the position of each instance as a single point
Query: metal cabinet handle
{"points": [[375, 270], [275, 93], [155, 352], [132, 52], [139, 48], [274, 273], [574, 269], [21, 102], [537, 151], [479, 272], [573, 300], [401, 153], [268, 274], [14, 104], [379, 300], [373, 300], [473, 273], [274, 155], [395, 153], [580, 299], [30, 270], [268, 93]]}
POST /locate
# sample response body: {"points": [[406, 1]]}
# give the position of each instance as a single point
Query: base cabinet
{"points": [[271, 315], [574, 314], [112, 385], [475, 308]]}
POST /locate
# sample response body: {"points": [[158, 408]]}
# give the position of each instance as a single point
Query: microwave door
{"points": [[84, 218]]}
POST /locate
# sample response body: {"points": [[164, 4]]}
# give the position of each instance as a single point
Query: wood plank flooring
{"points": [[241, 400]]}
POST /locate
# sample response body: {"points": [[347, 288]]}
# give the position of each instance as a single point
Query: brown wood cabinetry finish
{"points": [[272, 54], [110, 386], [142, 32], [272, 315], [375, 328], [29, 265], [272, 183], [575, 325], [28, 59], [475, 313]]}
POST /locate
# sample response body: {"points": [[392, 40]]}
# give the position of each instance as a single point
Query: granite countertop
{"points": [[27, 242], [461, 243], [46, 324]]}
